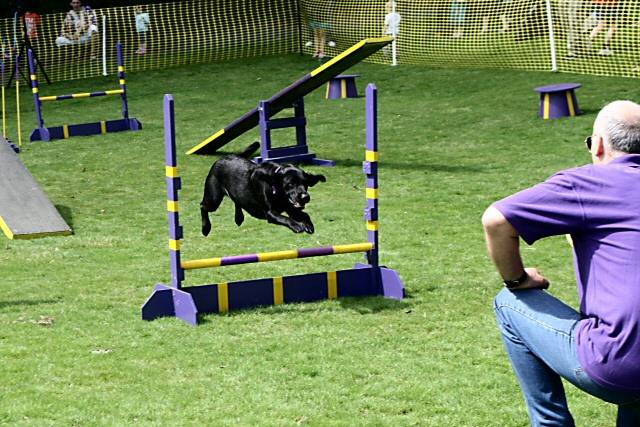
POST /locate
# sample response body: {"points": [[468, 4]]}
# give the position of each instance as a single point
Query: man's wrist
{"points": [[514, 283]]}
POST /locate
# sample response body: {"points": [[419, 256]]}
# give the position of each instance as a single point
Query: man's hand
{"points": [[534, 281]]}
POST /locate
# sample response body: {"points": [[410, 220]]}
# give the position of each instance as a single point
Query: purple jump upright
{"points": [[364, 279], [42, 133]]}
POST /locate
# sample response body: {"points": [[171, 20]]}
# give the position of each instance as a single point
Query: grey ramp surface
{"points": [[25, 210]]}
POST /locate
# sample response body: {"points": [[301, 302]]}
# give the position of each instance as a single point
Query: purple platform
{"points": [[342, 86], [558, 100]]}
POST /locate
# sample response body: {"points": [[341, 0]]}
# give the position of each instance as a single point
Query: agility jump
{"points": [[362, 280], [42, 133], [290, 97]]}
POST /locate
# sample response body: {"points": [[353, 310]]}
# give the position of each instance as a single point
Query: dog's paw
{"points": [[297, 227], [206, 229], [308, 228]]}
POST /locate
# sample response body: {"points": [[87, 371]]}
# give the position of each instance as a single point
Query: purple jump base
{"points": [[558, 100], [342, 86], [188, 302], [84, 129]]}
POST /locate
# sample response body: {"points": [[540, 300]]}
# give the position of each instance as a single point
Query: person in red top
{"points": [[606, 12], [31, 23]]}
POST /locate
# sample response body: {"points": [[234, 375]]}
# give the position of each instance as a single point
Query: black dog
{"points": [[263, 190]]}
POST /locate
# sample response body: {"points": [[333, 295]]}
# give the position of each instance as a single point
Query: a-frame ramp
{"points": [[25, 210], [293, 92]]}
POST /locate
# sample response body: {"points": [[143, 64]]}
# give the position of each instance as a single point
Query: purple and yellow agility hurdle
{"points": [[42, 133], [363, 280]]}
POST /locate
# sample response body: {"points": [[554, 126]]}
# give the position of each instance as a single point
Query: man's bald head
{"points": [[619, 123]]}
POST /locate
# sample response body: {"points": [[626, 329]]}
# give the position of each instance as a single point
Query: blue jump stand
{"points": [[342, 86], [298, 153], [558, 100]]}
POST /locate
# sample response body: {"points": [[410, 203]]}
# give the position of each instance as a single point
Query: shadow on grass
{"points": [[67, 215], [418, 166], [361, 305], [26, 302]]}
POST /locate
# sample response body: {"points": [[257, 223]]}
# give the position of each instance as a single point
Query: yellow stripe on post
{"points": [[326, 95], [332, 285], [171, 171], [545, 114], [174, 245], [33, 77], [223, 297], [371, 156], [371, 193], [35, 90], [278, 291], [343, 88], [372, 225], [103, 126], [572, 110], [65, 131], [275, 256], [122, 81], [5, 228], [172, 206], [121, 68]]}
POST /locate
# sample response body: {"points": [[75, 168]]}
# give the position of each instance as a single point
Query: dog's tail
{"points": [[250, 150]]}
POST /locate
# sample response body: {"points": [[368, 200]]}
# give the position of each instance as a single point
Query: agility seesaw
{"points": [[363, 280], [42, 133], [290, 97]]}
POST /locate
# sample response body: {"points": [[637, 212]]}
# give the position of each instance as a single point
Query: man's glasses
{"points": [[587, 142]]}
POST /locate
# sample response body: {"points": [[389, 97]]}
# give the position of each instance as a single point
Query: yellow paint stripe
{"points": [[223, 297], [65, 131], [171, 171], [174, 245], [172, 206], [206, 141], [545, 114], [343, 88], [114, 92], [372, 225], [5, 228], [356, 247], [121, 68], [278, 291], [572, 110], [35, 90], [122, 81], [332, 284], [371, 193], [349, 52], [278, 255], [371, 156], [201, 263], [103, 126], [33, 77], [80, 95], [326, 95]]}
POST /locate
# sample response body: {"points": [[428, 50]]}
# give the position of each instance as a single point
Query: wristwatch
{"points": [[510, 284]]}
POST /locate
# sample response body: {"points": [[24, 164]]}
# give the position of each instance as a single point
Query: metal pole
{"points": [[123, 84], [371, 171], [173, 185], [104, 45], [552, 41]]}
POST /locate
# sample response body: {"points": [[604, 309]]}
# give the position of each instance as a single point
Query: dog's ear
{"points": [[313, 179], [260, 174]]}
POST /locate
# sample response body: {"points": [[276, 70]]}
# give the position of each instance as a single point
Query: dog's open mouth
{"points": [[296, 205]]}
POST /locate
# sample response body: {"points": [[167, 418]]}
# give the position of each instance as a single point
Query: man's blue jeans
{"points": [[538, 331]]}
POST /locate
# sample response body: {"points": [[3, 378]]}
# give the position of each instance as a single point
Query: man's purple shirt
{"points": [[599, 206]]}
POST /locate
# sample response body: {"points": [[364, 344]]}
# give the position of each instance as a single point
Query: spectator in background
{"points": [[606, 12], [391, 20], [80, 24], [458, 12], [569, 13], [31, 23], [142, 27], [320, 25]]}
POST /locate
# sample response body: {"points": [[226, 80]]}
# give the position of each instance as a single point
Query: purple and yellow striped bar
{"points": [[276, 256], [370, 167], [80, 95]]}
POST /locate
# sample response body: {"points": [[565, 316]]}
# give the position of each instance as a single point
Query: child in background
{"points": [[142, 27]]}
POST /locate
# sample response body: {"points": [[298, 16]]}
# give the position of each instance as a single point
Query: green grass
{"points": [[75, 352]]}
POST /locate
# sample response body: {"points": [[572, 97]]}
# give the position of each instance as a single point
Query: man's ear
{"points": [[313, 179], [598, 146]]}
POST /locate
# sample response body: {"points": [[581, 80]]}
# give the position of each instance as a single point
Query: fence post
{"points": [[552, 41]]}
